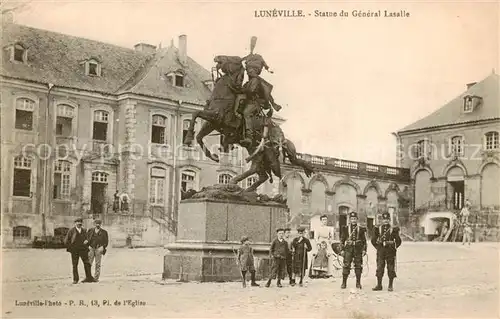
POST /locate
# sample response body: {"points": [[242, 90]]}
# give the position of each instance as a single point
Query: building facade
{"points": [[453, 157], [96, 130]]}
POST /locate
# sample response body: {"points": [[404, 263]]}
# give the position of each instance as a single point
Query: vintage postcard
{"points": [[287, 159]]}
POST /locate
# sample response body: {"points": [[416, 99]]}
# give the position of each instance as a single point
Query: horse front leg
{"points": [[291, 153], [238, 178], [206, 129], [208, 116]]}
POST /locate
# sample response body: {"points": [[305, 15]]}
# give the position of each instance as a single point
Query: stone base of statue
{"points": [[210, 226]]}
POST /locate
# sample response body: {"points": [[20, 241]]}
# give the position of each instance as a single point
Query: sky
{"points": [[344, 83]]}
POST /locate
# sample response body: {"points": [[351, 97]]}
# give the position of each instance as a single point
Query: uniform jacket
{"points": [[70, 240], [103, 238], [279, 249], [387, 234], [353, 236]]}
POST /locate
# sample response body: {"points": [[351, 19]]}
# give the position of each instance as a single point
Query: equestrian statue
{"points": [[242, 114]]}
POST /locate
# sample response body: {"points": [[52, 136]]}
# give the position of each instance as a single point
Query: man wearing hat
{"points": [[98, 242], [353, 245], [77, 244], [301, 246], [386, 240]]}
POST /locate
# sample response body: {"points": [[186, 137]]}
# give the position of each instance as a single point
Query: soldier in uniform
{"points": [[353, 245], [386, 240], [257, 90]]}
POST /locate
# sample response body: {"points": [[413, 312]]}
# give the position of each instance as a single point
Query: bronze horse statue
{"points": [[221, 114]]}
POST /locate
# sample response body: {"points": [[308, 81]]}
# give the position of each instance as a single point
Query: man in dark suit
{"points": [[353, 245], [98, 242], [77, 244], [386, 240]]}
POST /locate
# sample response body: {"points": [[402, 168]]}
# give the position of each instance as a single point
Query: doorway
{"points": [[457, 194], [369, 226], [343, 213], [98, 193]]}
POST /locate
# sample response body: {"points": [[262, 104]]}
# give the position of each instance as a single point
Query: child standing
{"points": [[467, 234], [320, 263], [245, 258], [278, 254]]}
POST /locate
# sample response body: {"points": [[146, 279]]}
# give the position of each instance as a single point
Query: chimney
{"points": [[144, 47], [469, 85], [183, 49], [8, 17]]}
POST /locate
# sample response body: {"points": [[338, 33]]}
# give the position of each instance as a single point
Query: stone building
{"points": [[96, 130], [453, 157]]}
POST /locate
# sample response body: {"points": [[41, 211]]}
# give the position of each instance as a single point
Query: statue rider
{"points": [[258, 92]]}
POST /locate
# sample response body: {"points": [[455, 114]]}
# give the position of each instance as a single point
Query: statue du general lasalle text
{"points": [[276, 13]]}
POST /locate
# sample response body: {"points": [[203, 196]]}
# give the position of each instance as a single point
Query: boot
{"points": [[268, 284], [358, 281], [379, 284], [253, 284], [344, 282], [278, 284], [391, 280]]}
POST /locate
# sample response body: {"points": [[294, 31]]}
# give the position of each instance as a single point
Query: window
{"points": [[457, 145], [157, 186], [176, 78], [24, 114], [158, 129], [491, 140], [224, 178], [92, 67], [62, 177], [420, 148], [188, 178], [64, 120], [250, 181], [19, 53], [100, 129], [22, 177], [185, 128], [99, 177], [468, 105], [21, 232], [179, 80]]}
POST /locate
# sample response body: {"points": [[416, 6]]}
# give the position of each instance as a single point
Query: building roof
{"points": [[452, 112], [57, 58]]}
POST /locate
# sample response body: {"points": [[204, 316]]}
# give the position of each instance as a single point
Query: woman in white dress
{"points": [[325, 233]]}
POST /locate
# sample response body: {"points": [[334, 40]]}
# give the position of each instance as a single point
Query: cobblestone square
{"points": [[435, 280]]}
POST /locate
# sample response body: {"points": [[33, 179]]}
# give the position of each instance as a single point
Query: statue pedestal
{"points": [[208, 237]]}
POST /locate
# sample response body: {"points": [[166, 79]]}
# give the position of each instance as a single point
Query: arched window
{"points": [[250, 181], [157, 186], [457, 145], [420, 149], [64, 120], [159, 129], [24, 114], [224, 178], [62, 180], [21, 232], [491, 140], [22, 177]]}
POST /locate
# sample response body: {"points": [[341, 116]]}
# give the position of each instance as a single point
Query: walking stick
{"points": [[302, 271]]}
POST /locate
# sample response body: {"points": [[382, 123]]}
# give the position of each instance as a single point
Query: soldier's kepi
{"points": [[353, 244], [386, 240], [257, 90]]}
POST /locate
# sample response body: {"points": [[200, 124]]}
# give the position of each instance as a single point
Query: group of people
{"points": [[87, 245], [289, 256]]}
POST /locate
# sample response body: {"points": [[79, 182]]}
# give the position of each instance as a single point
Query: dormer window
{"points": [[176, 78], [470, 102], [92, 67], [18, 53]]}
